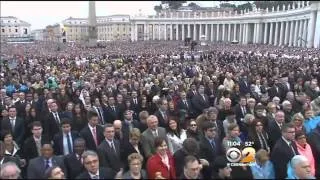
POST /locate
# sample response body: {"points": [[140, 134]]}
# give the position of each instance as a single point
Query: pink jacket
{"points": [[307, 152]]}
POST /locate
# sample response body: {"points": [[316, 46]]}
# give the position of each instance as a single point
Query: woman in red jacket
{"points": [[161, 165]]}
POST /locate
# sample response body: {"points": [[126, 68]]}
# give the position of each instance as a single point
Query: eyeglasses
{"points": [[193, 125]]}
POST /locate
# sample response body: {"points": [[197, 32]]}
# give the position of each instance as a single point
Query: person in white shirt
{"points": [[175, 135]]}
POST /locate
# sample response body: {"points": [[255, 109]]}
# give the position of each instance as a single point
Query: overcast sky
{"points": [[42, 13]]}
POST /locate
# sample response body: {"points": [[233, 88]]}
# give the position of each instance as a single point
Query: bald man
{"points": [[149, 135], [117, 124]]}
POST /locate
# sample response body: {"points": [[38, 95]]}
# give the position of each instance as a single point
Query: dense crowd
{"points": [[139, 110]]}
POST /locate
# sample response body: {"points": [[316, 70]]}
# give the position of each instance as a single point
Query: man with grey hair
{"points": [[93, 170], [299, 168], [9, 170], [287, 109]]}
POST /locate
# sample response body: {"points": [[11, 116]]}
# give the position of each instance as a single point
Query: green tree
{"points": [[158, 8], [227, 5], [244, 6], [193, 5], [173, 4]]}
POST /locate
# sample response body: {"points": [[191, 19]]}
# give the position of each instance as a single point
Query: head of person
{"points": [[279, 117], [301, 167], [134, 136], [152, 122], [4, 113], [261, 157], [79, 146], [36, 129], [54, 172], [47, 150], [163, 104], [160, 145], [233, 130], [9, 170], [191, 167], [212, 114], [109, 131], [128, 115], [93, 118], [54, 107], [243, 101], [308, 113], [174, 125], [248, 118], [221, 167], [251, 102], [12, 112], [2, 149], [191, 146], [271, 107], [288, 131], [7, 137], [135, 161], [276, 100], [257, 125], [91, 161], [230, 115], [301, 138], [193, 125], [209, 129], [143, 116], [286, 106], [65, 125], [298, 119]]}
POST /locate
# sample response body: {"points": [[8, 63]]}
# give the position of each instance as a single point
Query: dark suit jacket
{"points": [[110, 115], [126, 130], [126, 149], [274, 131], [104, 173], [189, 109], [36, 167], [161, 119], [107, 156], [86, 134], [19, 128], [244, 89], [273, 92], [51, 127], [208, 153], [58, 142], [21, 108], [280, 156], [73, 166], [198, 103], [30, 147]]}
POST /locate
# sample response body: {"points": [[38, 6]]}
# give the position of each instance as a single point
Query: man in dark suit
{"points": [[274, 91], [162, 113], [92, 133], [128, 124], [274, 127], [14, 124], [109, 150], [135, 102], [63, 140], [93, 169], [74, 161], [38, 165], [99, 109], [148, 136], [191, 168], [244, 85], [52, 121], [241, 109], [185, 104], [32, 145], [284, 150], [200, 101], [210, 147], [21, 105], [192, 91], [111, 111]]}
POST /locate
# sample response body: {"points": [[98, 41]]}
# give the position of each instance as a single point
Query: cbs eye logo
{"points": [[235, 155]]}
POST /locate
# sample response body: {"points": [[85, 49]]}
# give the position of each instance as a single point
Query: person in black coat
{"points": [[74, 161], [259, 136], [283, 151], [60, 137], [190, 164], [92, 165], [274, 129], [220, 169], [87, 133], [200, 101], [109, 150], [52, 121], [193, 131], [128, 124]]}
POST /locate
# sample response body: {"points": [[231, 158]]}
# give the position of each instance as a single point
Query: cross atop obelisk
{"points": [[92, 22]]}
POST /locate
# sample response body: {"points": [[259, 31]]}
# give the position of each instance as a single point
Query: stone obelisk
{"points": [[92, 22]]}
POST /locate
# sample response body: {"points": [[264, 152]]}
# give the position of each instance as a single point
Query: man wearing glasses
{"points": [[284, 150]]}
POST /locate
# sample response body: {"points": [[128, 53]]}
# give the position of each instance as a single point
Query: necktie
{"points": [[100, 114], [95, 177], [185, 102], [69, 144], [113, 108], [244, 111], [95, 136], [12, 124], [203, 98], [155, 134], [165, 117], [261, 141], [212, 144], [57, 117], [135, 101], [113, 147], [47, 164], [293, 151]]}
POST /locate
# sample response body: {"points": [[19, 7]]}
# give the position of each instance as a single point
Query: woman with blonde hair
{"points": [[135, 171]]}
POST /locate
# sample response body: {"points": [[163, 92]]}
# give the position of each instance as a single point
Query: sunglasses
{"points": [[193, 125]]}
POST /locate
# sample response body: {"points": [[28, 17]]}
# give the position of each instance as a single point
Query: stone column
{"points": [[165, 32], [153, 32], [200, 30], [229, 32], [148, 33], [223, 31], [136, 31], [206, 32], [189, 34], [286, 35], [316, 42], [271, 33], [194, 31], [304, 36], [92, 22], [245, 36], [159, 31], [265, 33], [291, 33], [217, 32], [234, 31], [295, 38], [254, 33], [183, 32], [281, 33], [171, 32], [240, 38], [276, 34], [311, 29], [145, 31], [211, 32], [300, 33], [177, 32]]}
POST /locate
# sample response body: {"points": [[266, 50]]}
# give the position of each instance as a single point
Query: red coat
{"points": [[155, 164]]}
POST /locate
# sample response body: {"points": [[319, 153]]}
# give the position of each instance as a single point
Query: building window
{"points": [[9, 30], [16, 30], [3, 30]]}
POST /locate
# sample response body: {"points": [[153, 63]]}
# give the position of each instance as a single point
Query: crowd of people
{"points": [[156, 110]]}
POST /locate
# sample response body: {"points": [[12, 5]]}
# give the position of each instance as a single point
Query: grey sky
{"points": [[42, 13]]}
